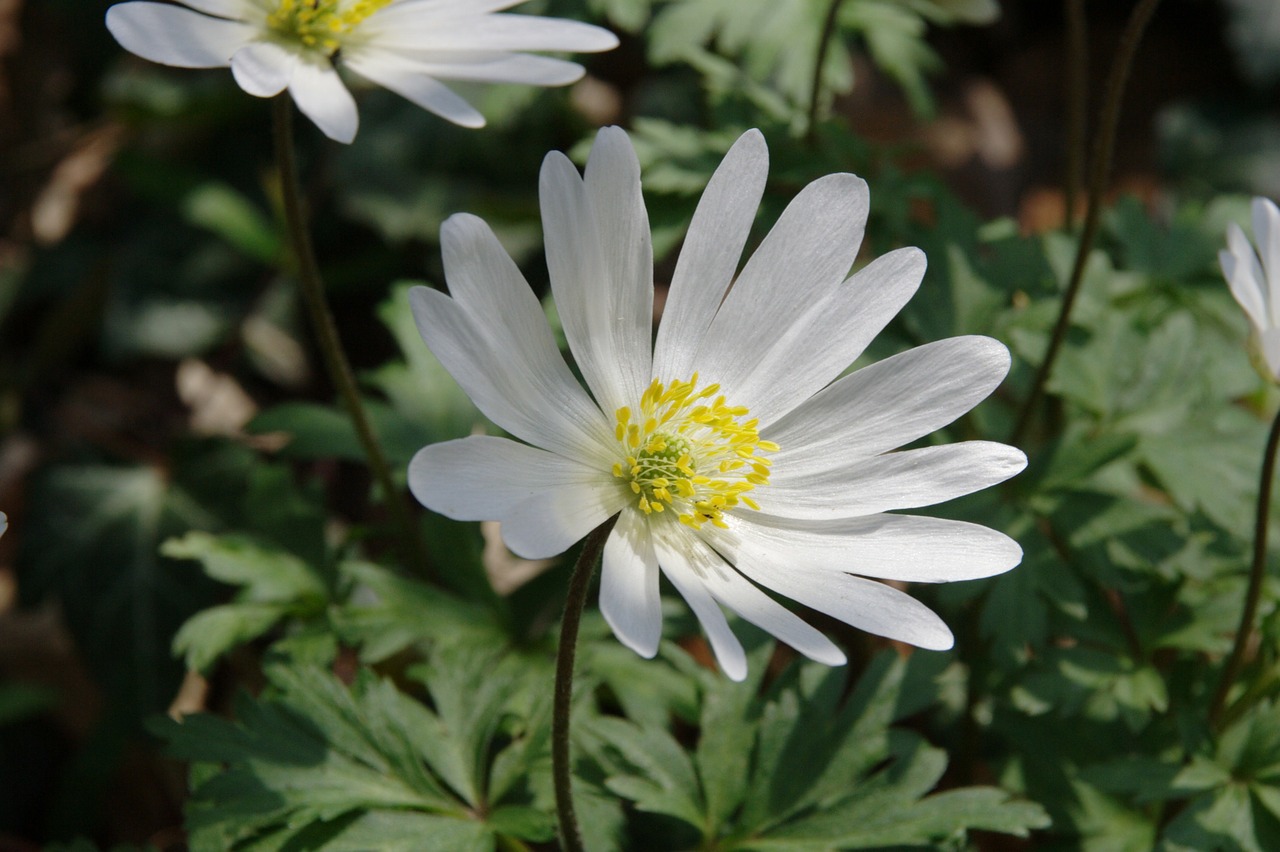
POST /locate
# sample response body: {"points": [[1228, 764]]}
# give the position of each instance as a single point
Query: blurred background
{"points": [[147, 319]]}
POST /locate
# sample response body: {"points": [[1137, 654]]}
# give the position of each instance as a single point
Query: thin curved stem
{"points": [[326, 332], [561, 769], [1077, 78], [1257, 573], [1100, 167], [824, 45]]}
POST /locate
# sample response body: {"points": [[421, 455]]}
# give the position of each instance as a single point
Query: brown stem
{"points": [[561, 768], [1077, 100], [1257, 574], [824, 45], [326, 332], [1100, 167]]}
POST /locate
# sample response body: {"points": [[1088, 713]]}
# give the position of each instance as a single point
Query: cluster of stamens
{"points": [[687, 449], [319, 24]]}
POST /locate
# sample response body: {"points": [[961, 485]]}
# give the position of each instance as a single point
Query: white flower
{"points": [[1256, 285], [736, 457], [407, 46]]}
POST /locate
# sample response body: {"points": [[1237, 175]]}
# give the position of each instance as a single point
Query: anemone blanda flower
{"points": [[736, 457], [407, 46], [1254, 278]]}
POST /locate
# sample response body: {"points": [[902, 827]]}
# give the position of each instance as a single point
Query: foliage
{"points": [[349, 704]]}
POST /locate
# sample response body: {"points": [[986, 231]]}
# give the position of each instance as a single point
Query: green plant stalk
{"points": [[326, 332], [1100, 168], [561, 769], [824, 45], [1257, 573]]}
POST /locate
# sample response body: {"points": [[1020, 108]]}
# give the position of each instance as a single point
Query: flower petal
{"points": [[597, 240], [263, 68], [676, 553], [415, 29], [233, 9], [504, 364], [550, 523], [175, 36], [843, 485], [411, 80], [891, 402], [1240, 268], [488, 67], [911, 548], [862, 603], [803, 259], [629, 598], [737, 593], [709, 258], [857, 601], [320, 94], [1266, 233], [545, 502]]}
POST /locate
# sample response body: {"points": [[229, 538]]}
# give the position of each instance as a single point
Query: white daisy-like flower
{"points": [[736, 457], [1254, 278], [407, 46]]}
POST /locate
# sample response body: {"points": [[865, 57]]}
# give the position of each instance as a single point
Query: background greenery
{"points": [[191, 528]]}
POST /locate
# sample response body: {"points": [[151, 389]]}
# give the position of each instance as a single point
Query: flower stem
{"points": [[1256, 575], [1099, 167], [579, 585], [824, 45], [1077, 102], [326, 332]]}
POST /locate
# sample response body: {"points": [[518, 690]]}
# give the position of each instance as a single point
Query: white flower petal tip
{"points": [[1252, 271], [407, 46], [740, 462]]}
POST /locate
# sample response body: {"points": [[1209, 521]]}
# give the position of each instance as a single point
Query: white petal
{"points": [[550, 523], [675, 554], [502, 365], [488, 67], [612, 186], [831, 334], [710, 254], [598, 287], [805, 256], [410, 80], [737, 593], [862, 603], [545, 502], [1269, 341], [263, 68], [1246, 278], [843, 485], [911, 548], [1266, 233], [486, 282], [483, 478], [486, 32], [891, 402], [233, 9], [629, 597], [175, 36], [320, 94]]}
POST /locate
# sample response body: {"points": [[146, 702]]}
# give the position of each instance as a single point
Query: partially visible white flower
{"points": [[1254, 278], [407, 46], [736, 457]]}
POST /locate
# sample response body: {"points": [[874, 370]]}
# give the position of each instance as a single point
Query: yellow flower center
{"points": [[687, 449], [320, 24]]}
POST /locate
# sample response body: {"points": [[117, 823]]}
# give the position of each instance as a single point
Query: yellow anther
{"points": [[685, 434]]}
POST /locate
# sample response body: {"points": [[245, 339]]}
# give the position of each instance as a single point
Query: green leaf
{"points": [[386, 613], [326, 766], [264, 574]]}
